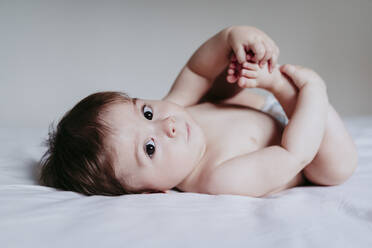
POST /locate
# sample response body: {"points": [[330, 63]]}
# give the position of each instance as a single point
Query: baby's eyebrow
{"points": [[134, 102]]}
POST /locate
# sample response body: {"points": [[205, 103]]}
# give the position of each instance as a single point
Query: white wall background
{"points": [[54, 53]]}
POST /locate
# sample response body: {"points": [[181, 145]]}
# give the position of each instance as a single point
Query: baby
{"points": [[208, 134]]}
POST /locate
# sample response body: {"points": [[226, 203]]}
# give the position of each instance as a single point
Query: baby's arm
{"points": [[326, 168], [304, 132], [222, 92], [263, 171], [196, 77], [202, 69]]}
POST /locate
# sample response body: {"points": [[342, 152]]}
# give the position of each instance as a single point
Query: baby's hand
{"points": [[301, 76], [250, 75], [251, 44]]}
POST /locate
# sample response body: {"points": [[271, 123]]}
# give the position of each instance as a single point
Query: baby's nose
{"points": [[170, 126]]}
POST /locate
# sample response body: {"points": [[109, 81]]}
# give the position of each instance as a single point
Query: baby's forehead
{"points": [[122, 140], [119, 106], [118, 112], [120, 120]]}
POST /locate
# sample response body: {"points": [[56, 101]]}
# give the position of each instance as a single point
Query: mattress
{"points": [[307, 216]]}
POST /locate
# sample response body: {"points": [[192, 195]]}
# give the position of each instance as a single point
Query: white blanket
{"points": [[37, 216]]}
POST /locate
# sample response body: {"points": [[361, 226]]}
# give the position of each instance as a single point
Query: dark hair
{"points": [[77, 158]]}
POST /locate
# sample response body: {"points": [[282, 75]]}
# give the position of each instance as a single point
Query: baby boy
{"points": [[208, 134]]}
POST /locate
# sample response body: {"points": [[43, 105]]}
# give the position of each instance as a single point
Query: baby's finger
{"points": [[248, 73], [240, 53], [258, 50], [272, 63], [274, 59], [268, 55]]}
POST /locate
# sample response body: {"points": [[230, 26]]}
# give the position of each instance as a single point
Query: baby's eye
{"points": [[147, 112], [150, 147]]}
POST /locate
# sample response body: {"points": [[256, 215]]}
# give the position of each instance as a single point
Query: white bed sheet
{"points": [[37, 216]]}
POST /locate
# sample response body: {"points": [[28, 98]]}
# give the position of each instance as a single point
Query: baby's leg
{"points": [[337, 156]]}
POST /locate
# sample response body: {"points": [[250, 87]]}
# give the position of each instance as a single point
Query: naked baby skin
{"points": [[230, 147]]}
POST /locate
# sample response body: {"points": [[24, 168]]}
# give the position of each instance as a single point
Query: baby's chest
{"points": [[233, 131]]}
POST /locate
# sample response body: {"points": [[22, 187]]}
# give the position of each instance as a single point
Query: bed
{"points": [[308, 216]]}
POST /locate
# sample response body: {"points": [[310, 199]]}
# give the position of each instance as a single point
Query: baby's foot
{"points": [[250, 75]]}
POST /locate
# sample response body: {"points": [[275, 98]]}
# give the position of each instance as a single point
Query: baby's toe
{"points": [[248, 73], [231, 71], [232, 65], [241, 82], [244, 82], [231, 78], [250, 66]]}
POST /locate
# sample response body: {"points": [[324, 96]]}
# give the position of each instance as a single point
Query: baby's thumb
{"points": [[240, 54], [288, 69]]}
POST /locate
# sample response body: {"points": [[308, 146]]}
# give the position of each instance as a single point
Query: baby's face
{"points": [[157, 143]]}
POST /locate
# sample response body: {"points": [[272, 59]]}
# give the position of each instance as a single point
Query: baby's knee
{"points": [[344, 161], [348, 166], [332, 171], [345, 169]]}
